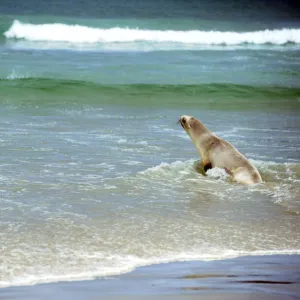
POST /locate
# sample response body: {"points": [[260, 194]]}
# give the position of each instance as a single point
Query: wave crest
{"points": [[77, 34]]}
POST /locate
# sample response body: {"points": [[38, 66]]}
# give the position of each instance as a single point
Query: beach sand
{"points": [[250, 277]]}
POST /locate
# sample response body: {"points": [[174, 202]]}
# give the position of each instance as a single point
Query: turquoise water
{"points": [[96, 177]]}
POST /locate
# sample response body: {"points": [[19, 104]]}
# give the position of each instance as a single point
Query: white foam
{"points": [[131, 162], [171, 171], [131, 262], [16, 75], [121, 141], [77, 34], [217, 173], [183, 170], [77, 142]]}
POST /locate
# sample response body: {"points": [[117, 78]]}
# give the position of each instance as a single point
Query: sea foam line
{"points": [[82, 34], [130, 263]]}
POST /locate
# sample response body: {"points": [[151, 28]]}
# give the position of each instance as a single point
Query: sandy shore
{"points": [[251, 277]]}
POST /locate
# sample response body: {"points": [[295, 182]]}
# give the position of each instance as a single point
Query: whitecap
{"points": [[78, 36]]}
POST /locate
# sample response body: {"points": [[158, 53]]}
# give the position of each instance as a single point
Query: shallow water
{"points": [[96, 177], [90, 190]]}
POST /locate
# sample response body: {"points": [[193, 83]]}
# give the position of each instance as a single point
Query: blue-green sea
{"points": [[97, 177]]}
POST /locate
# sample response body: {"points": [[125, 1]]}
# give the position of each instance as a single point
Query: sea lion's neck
{"points": [[199, 133], [204, 142], [202, 129]]}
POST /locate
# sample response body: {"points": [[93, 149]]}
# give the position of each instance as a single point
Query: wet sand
{"points": [[250, 277]]}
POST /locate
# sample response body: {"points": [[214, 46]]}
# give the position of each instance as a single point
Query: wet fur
{"points": [[216, 152]]}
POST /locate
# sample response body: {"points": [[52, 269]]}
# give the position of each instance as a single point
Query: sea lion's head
{"points": [[193, 127]]}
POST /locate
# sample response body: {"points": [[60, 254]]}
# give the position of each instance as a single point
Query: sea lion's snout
{"points": [[184, 121]]}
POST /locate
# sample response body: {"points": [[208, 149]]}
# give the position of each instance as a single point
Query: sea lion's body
{"points": [[216, 152]]}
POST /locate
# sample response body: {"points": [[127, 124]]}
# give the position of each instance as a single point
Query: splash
{"points": [[16, 75]]}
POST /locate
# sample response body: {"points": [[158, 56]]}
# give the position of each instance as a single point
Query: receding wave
{"points": [[88, 252], [77, 34]]}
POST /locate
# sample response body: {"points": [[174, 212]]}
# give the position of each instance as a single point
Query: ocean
{"points": [[96, 176]]}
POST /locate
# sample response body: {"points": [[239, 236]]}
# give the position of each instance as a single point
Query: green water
{"points": [[47, 92]]}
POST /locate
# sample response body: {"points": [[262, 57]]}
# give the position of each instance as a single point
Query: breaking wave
{"points": [[77, 34]]}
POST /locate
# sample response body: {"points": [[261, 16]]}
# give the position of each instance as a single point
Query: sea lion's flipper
{"points": [[199, 167], [207, 166]]}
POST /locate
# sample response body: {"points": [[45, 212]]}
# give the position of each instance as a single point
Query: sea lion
{"points": [[216, 152]]}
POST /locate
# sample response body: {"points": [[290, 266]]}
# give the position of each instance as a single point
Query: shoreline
{"points": [[247, 277]]}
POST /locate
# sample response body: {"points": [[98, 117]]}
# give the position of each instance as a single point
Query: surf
{"points": [[78, 34]]}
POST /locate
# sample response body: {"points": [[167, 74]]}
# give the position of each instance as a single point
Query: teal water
{"points": [[39, 92], [96, 177]]}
